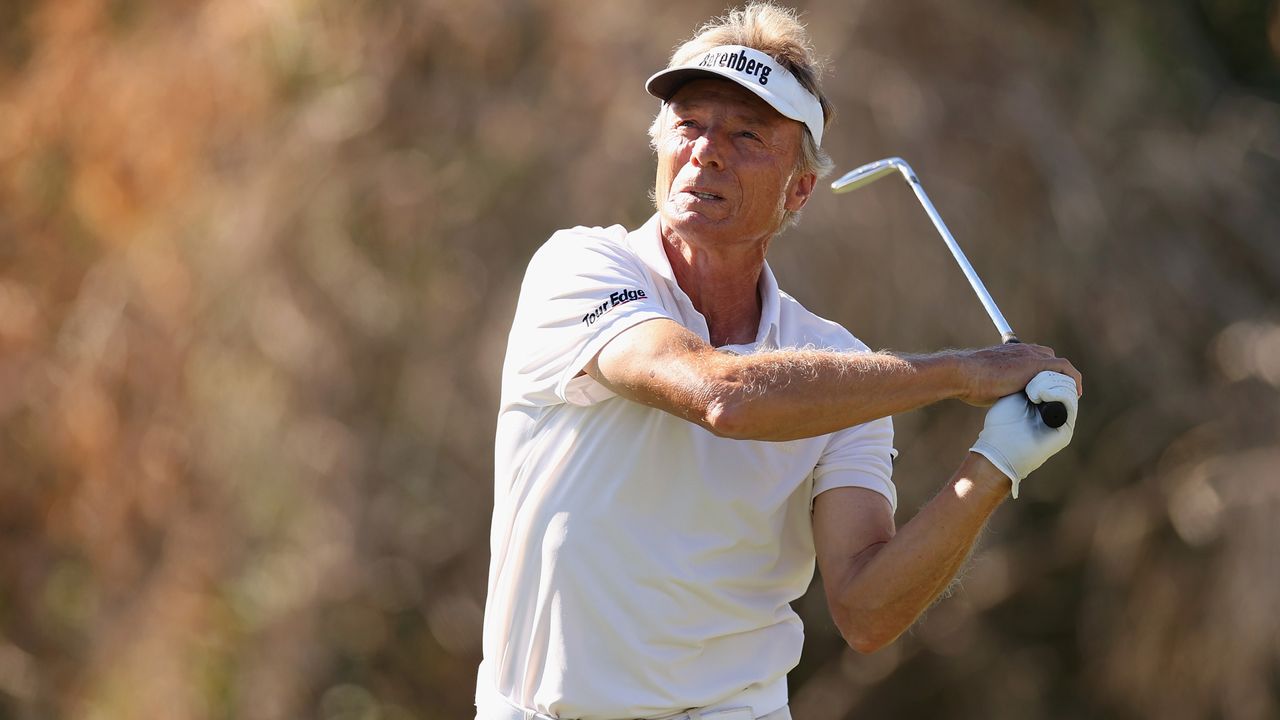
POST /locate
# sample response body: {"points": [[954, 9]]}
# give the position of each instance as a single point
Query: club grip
{"points": [[1053, 414]]}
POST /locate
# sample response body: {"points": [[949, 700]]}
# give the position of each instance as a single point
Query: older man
{"points": [[671, 453]]}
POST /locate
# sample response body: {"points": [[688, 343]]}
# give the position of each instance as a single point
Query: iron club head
{"points": [[871, 172]]}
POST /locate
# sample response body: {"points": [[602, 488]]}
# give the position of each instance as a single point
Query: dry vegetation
{"points": [[258, 260]]}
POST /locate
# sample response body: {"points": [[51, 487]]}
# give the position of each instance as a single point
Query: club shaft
{"points": [[1053, 414], [997, 317]]}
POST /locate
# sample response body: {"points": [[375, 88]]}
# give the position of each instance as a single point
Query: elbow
{"points": [[728, 418], [865, 644], [729, 410], [863, 634]]}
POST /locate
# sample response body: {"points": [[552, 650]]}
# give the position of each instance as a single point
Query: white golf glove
{"points": [[1015, 439]]}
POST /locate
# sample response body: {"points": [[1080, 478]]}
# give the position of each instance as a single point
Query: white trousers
{"points": [[511, 712]]}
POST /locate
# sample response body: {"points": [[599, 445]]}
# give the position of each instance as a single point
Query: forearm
{"points": [[886, 589], [792, 394]]}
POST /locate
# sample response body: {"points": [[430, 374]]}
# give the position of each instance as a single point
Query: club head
{"points": [[871, 172]]}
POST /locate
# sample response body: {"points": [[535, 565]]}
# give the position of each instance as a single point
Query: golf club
{"points": [[1054, 414]]}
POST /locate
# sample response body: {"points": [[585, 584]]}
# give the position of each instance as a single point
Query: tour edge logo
{"points": [[621, 297], [739, 62]]}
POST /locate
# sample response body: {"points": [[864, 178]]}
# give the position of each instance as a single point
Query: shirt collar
{"points": [[647, 242], [770, 310]]}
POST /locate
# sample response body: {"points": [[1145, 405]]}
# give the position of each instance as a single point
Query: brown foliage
{"points": [[258, 260]]}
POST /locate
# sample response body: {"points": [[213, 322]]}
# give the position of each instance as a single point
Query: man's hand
{"points": [[1015, 439], [994, 372]]}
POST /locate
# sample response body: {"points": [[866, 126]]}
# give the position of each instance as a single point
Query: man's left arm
{"points": [[879, 580]]}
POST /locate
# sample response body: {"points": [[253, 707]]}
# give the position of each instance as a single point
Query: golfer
{"points": [[679, 439]]}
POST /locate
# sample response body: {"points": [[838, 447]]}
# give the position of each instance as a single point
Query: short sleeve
{"points": [[859, 456], [581, 289]]}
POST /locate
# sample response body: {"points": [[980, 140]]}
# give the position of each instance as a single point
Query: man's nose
{"points": [[706, 152]]}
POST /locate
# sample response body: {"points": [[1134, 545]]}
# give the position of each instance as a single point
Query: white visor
{"points": [[753, 70]]}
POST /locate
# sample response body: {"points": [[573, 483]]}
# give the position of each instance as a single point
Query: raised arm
{"points": [[790, 394]]}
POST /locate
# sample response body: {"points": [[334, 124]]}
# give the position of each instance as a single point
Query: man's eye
{"points": [[686, 123], [750, 135]]}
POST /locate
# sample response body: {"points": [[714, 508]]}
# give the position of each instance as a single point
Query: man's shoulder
{"points": [[576, 259], [582, 235], [572, 247], [802, 326]]}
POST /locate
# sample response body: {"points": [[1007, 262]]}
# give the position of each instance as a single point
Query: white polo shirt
{"points": [[641, 565]]}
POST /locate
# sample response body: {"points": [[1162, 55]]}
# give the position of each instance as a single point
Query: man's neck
{"points": [[723, 284]]}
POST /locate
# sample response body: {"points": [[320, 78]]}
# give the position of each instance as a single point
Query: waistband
{"points": [[754, 703]]}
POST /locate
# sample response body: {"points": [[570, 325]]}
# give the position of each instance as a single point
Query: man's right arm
{"points": [[790, 394]]}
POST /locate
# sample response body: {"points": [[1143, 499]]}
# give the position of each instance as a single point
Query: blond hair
{"points": [[777, 32]]}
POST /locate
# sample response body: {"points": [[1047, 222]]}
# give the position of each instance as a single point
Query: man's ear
{"points": [[800, 191]]}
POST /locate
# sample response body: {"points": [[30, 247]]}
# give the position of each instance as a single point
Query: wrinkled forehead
{"points": [[723, 96]]}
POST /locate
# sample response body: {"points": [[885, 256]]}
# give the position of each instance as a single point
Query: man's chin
{"points": [[678, 217]]}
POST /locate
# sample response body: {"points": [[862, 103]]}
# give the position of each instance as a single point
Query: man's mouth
{"points": [[704, 195]]}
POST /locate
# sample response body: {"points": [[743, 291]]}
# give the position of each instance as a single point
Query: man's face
{"points": [[727, 165]]}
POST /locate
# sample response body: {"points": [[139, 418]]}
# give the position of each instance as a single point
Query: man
{"points": [[671, 457]]}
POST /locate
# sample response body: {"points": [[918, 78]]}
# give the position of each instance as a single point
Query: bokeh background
{"points": [[258, 261]]}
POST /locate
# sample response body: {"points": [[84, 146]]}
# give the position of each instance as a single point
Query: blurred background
{"points": [[258, 261]]}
